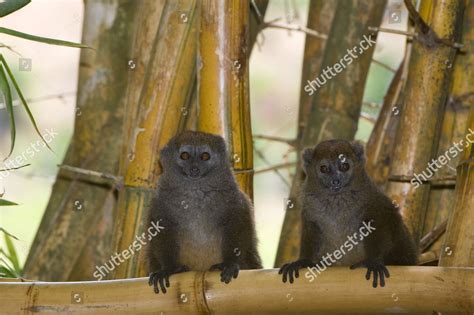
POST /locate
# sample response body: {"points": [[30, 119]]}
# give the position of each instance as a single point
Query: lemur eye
{"points": [[184, 156], [324, 169], [205, 156], [344, 167]]}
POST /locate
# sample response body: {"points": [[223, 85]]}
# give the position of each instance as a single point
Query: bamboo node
{"points": [[94, 177]]}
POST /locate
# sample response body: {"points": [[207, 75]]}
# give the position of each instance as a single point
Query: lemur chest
{"points": [[199, 238], [342, 247], [341, 240]]}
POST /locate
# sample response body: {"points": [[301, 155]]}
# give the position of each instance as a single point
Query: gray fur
{"points": [[207, 219]]}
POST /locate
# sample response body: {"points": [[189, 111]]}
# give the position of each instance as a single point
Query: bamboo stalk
{"points": [[223, 83], [256, 15], [420, 120], [75, 206], [454, 126], [432, 236], [338, 289], [381, 142], [320, 17], [459, 243], [429, 257], [165, 50], [336, 105]]}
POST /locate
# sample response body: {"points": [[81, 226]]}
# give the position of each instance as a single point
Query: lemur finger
{"points": [[162, 284], [367, 275], [376, 274], [236, 273], [382, 279]]}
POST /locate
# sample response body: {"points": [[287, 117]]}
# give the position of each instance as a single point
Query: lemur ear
{"points": [[167, 151], [307, 156], [358, 149]]}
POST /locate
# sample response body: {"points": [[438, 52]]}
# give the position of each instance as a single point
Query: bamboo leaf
{"points": [[8, 270], [2, 252], [10, 6], [13, 257], [9, 234], [40, 39], [7, 96], [23, 100], [4, 202]]}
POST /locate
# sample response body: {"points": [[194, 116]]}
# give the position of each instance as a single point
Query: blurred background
{"points": [[48, 76]]}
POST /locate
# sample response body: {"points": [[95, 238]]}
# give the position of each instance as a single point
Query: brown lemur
{"points": [[207, 220], [339, 201]]}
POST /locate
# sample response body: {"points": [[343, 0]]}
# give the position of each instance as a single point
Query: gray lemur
{"points": [[339, 199], [208, 221]]}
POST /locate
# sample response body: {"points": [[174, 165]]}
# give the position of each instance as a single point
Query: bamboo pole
{"points": [[459, 243], [255, 26], [381, 143], [320, 17], [338, 289], [75, 205], [165, 51], [454, 126], [420, 120], [223, 84], [336, 105]]}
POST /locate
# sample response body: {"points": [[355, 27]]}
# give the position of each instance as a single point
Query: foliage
{"points": [[6, 76], [9, 263]]}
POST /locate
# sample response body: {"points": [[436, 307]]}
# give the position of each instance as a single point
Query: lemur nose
{"points": [[195, 171], [335, 182]]}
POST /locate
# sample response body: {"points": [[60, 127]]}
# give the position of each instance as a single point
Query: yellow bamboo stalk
{"points": [[223, 85], [335, 107], [165, 51], [336, 290], [255, 25], [459, 243], [426, 91], [454, 126], [76, 205]]}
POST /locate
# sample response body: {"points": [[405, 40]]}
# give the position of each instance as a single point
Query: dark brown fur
{"points": [[336, 204]]}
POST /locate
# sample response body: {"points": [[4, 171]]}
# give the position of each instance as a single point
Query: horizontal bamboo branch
{"points": [[338, 289]]}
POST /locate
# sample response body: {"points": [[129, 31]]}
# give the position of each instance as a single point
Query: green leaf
{"points": [[9, 234], [23, 100], [4, 202], [13, 257], [44, 40], [8, 270], [7, 97], [10, 6]]}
